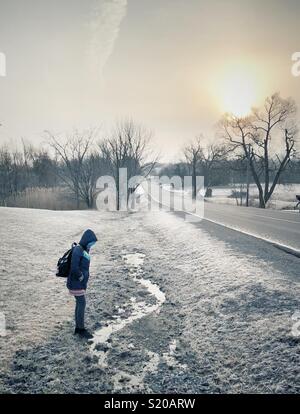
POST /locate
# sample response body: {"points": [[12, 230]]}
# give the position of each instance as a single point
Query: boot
{"points": [[83, 333]]}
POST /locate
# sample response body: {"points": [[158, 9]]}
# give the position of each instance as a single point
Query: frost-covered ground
{"points": [[284, 196], [199, 309]]}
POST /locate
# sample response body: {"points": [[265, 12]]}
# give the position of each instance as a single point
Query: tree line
{"points": [[77, 161], [260, 148]]}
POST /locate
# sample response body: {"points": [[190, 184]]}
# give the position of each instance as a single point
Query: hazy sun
{"points": [[238, 94], [238, 89]]}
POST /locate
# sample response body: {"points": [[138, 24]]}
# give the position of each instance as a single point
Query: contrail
{"points": [[106, 18]]}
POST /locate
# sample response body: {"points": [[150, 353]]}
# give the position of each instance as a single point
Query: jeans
{"points": [[79, 311]]}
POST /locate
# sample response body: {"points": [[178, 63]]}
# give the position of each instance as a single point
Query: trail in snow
{"points": [[101, 340]]}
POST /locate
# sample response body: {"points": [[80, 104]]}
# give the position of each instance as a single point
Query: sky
{"points": [[173, 65]]}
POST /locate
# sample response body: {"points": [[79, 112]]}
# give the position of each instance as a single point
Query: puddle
{"points": [[130, 312], [126, 382]]}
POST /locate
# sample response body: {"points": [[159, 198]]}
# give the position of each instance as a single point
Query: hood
{"points": [[88, 237]]}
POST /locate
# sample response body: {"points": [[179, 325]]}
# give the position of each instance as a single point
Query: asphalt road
{"points": [[281, 227]]}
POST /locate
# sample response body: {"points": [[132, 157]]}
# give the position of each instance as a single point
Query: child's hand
{"points": [[81, 278]]}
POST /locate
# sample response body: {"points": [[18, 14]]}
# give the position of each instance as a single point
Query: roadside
{"points": [[224, 326]]}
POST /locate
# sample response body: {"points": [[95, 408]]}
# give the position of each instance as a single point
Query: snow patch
{"points": [[170, 356], [129, 381], [138, 310]]}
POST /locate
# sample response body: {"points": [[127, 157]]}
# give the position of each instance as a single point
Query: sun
{"points": [[238, 89], [239, 94]]}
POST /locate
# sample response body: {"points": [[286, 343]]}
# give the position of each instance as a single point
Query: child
{"points": [[78, 279]]}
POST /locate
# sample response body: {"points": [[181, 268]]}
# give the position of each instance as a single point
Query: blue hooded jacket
{"points": [[80, 263]]}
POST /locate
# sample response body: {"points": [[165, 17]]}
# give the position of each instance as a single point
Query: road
{"points": [[277, 226]]}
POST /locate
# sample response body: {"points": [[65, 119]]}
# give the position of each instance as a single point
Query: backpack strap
{"points": [[80, 247]]}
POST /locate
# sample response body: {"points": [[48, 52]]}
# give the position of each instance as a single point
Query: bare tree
{"points": [[78, 166], [251, 137], [211, 156], [202, 159], [128, 147], [44, 169], [93, 167], [193, 153], [6, 173]]}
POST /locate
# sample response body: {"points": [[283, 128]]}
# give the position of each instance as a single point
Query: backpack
{"points": [[64, 263]]}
